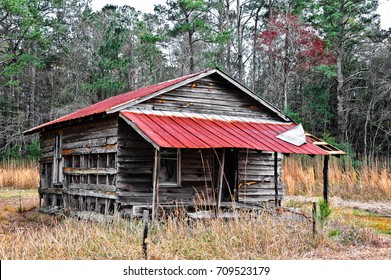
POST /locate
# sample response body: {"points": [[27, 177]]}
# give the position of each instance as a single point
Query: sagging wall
{"points": [[78, 165], [256, 176]]}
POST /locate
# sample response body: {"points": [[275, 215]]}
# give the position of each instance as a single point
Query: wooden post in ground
{"points": [[220, 181], [326, 179], [145, 233], [314, 218], [276, 180], [155, 187]]}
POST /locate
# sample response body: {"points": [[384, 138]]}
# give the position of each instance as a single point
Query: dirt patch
{"points": [[380, 250], [20, 212]]}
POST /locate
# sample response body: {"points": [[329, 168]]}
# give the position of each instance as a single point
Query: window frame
{"points": [[178, 182]]}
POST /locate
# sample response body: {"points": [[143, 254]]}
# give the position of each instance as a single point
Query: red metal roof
{"points": [[174, 131], [109, 103]]}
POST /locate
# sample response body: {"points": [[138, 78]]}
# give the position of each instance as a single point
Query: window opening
{"points": [[169, 173]]}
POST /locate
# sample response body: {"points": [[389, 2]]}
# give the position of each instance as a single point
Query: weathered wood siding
{"points": [[209, 96], [89, 170], [256, 176], [135, 172], [197, 179], [135, 168]]}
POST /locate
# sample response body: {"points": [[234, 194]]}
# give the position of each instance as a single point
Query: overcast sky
{"points": [[147, 6]]}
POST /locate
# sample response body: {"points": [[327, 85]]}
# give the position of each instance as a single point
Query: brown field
{"points": [[19, 175], [351, 232], [304, 176]]}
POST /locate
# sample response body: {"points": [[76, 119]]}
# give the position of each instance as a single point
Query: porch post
{"points": [[276, 181], [220, 180], [326, 179], [155, 187]]}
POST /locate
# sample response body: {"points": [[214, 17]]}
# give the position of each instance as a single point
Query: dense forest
{"points": [[326, 63]]}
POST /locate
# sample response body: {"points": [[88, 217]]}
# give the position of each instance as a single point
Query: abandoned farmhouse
{"points": [[202, 139]]}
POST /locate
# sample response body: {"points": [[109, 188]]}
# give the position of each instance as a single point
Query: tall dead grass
{"points": [[251, 237], [19, 174], [304, 176]]}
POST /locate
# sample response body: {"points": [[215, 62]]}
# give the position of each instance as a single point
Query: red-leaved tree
{"points": [[291, 47]]}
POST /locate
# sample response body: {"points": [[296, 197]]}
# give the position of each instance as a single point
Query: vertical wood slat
{"points": [[155, 186], [220, 180], [276, 180]]}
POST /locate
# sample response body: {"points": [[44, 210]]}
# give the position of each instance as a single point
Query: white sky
{"points": [[147, 6]]}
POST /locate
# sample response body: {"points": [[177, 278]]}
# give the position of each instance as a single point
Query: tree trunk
{"points": [[341, 114], [191, 50], [33, 73], [240, 47], [254, 48], [227, 22]]}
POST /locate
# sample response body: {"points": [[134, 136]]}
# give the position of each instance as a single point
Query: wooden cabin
{"points": [[202, 140]]}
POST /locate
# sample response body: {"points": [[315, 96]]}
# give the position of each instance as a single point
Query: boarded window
{"points": [[58, 160], [169, 173]]}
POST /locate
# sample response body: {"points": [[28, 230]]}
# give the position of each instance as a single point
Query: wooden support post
{"points": [[220, 181], [276, 181], [145, 233], [326, 179], [314, 218], [155, 187]]}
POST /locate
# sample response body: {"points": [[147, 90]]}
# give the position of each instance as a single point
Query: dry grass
{"points": [[301, 175], [305, 177], [19, 175], [31, 235], [251, 237]]}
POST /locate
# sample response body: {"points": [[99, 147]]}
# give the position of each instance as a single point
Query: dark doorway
{"points": [[230, 179]]}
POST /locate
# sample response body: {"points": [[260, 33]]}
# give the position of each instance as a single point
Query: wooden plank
{"points": [[90, 193], [155, 186], [51, 190], [276, 179], [220, 180], [93, 150], [94, 187], [84, 134], [102, 171]]}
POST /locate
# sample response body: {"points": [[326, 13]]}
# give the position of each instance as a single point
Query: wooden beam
{"points": [[276, 180], [155, 186], [326, 179], [220, 180]]}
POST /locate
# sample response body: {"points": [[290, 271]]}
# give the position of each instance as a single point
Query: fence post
{"points": [[145, 233], [314, 218]]}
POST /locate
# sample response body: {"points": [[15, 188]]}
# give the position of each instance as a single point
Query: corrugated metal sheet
{"points": [[202, 131], [109, 103]]}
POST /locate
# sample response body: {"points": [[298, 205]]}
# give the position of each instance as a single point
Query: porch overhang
{"points": [[188, 130]]}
